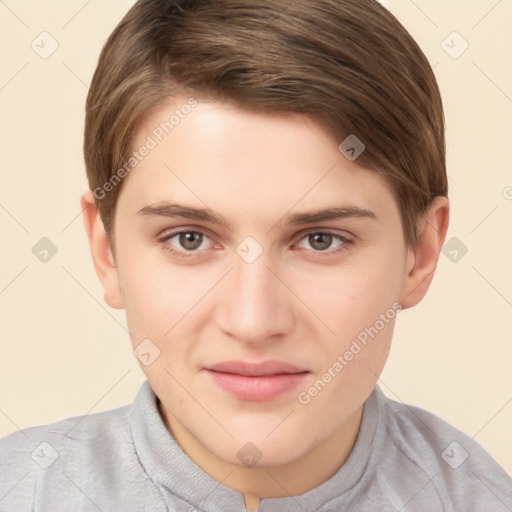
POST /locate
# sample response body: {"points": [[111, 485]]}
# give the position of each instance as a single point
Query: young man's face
{"points": [[265, 285]]}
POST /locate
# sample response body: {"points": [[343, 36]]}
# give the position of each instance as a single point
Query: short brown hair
{"points": [[348, 64]]}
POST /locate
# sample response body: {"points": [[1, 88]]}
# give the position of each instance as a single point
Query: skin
{"points": [[300, 301]]}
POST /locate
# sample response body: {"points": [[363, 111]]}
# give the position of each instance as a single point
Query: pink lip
{"points": [[256, 381]]}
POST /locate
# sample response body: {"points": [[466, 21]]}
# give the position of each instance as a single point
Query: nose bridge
{"points": [[254, 304], [253, 281]]}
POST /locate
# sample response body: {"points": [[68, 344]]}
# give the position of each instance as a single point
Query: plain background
{"points": [[65, 353]]}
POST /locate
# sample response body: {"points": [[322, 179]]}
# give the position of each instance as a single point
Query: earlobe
{"points": [[102, 256], [422, 258]]}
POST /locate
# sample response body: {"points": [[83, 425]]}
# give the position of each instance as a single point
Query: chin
{"points": [[258, 450]]}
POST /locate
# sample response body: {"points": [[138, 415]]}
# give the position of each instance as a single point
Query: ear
{"points": [[422, 258], [102, 255]]}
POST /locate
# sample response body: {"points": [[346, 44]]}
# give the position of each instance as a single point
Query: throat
{"points": [[251, 503]]}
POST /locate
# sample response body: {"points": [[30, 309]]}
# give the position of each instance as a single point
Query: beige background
{"points": [[65, 353]]}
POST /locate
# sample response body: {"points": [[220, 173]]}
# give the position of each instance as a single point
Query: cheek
{"points": [[352, 297], [155, 295], [350, 361], [158, 301], [359, 303]]}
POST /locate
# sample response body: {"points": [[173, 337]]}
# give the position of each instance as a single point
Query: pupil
{"points": [[320, 241], [190, 240]]}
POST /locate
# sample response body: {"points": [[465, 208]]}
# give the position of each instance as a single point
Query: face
{"points": [[266, 270]]}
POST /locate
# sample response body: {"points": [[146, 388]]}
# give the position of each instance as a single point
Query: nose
{"points": [[255, 307]]}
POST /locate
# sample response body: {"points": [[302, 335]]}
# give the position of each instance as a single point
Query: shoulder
{"points": [[455, 468], [46, 465], [76, 433]]}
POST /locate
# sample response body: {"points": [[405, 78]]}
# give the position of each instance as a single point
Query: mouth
{"points": [[257, 382]]}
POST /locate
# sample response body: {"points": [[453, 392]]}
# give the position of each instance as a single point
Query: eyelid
{"points": [[170, 232], [344, 235]]}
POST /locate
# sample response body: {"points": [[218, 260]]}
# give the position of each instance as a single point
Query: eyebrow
{"points": [[206, 215], [326, 214], [187, 212]]}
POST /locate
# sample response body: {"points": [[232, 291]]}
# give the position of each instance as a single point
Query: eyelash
{"points": [[188, 254]]}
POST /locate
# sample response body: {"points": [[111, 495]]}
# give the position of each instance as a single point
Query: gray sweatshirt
{"points": [[405, 459]]}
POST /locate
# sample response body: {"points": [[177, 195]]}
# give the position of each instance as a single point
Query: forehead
{"points": [[245, 163]]}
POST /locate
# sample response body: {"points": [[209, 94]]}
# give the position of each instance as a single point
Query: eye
{"points": [[182, 242], [190, 240], [322, 241]]}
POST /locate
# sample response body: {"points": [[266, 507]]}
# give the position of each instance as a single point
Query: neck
{"points": [[291, 479]]}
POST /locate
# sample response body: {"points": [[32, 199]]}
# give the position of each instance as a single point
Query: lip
{"points": [[256, 382]]}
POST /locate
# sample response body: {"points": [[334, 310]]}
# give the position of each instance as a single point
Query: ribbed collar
{"points": [[177, 475]]}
